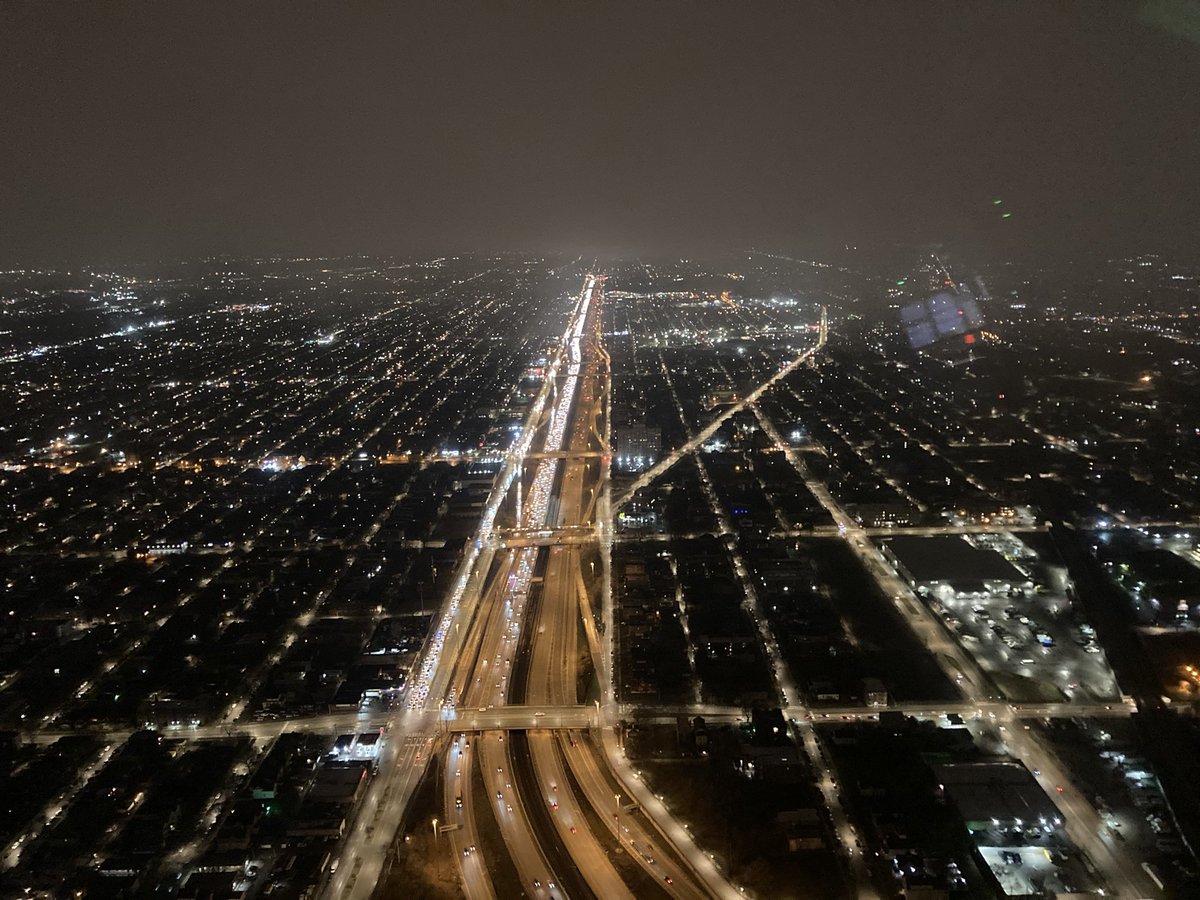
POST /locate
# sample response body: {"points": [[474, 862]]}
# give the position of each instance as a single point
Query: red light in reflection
{"points": [[969, 339]]}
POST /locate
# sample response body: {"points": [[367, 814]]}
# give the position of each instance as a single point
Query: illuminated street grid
{"points": [[873, 488], [305, 480]]}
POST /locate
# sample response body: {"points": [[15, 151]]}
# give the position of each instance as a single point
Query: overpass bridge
{"points": [[512, 717], [578, 716]]}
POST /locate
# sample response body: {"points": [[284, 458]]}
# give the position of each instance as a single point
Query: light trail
{"points": [[539, 495], [538, 505]]}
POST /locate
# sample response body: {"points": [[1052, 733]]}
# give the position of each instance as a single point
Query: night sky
{"points": [[145, 131]]}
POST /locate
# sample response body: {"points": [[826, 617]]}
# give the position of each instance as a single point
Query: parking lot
{"points": [[1029, 636]]}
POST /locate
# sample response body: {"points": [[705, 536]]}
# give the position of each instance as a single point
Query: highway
{"points": [[569, 819], [500, 641], [608, 795], [553, 671], [365, 850], [520, 643], [549, 652], [513, 817]]}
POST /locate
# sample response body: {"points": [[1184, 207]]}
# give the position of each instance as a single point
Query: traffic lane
{"points": [[495, 624], [603, 793], [511, 819], [555, 658], [543, 640], [469, 653], [1083, 824], [403, 762], [458, 810], [539, 815], [568, 818]]}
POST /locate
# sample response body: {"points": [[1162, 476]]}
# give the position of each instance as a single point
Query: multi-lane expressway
{"points": [[431, 700], [552, 790], [494, 665], [525, 645]]}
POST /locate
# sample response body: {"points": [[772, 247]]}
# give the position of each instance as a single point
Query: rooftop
{"points": [[950, 558]]}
